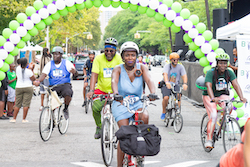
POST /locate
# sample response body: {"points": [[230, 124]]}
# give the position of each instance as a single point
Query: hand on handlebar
{"points": [[36, 83], [244, 100], [184, 86], [90, 95], [153, 97]]}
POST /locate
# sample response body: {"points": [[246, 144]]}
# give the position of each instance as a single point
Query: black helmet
{"points": [[111, 41], [200, 83], [57, 49], [91, 52]]}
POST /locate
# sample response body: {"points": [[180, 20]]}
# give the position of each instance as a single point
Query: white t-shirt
{"points": [[47, 67], [23, 82]]}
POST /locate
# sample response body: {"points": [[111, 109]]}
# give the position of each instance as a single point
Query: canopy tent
{"points": [[239, 27], [32, 48]]}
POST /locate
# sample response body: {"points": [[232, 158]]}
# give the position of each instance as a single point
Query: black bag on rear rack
{"points": [[140, 139]]}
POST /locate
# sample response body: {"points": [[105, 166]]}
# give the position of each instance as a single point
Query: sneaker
{"points": [[25, 121], [4, 117], [84, 103], [41, 107], [163, 116], [98, 133], [13, 121], [66, 114], [209, 144], [10, 114]]}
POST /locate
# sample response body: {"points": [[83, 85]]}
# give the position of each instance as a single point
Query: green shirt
{"points": [[12, 75], [220, 87]]}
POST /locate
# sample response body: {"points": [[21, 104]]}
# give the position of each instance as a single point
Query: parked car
{"points": [[158, 59], [79, 63]]}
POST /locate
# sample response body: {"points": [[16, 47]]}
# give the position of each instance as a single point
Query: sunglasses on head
{"points": [[111, 51]]}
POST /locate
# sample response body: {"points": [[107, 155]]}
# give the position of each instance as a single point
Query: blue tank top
{"points": [[126, 87], [59, 75]]}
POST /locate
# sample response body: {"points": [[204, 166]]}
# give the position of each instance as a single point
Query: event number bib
{"points": [[107, 72], [221, 84], [57, 73]]}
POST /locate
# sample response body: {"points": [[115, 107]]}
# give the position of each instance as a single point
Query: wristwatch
{"points": [[91, 91]]}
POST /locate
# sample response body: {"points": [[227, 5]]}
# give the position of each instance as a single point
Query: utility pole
{"points": [[208, 15], [47, 38], [170, 39]]}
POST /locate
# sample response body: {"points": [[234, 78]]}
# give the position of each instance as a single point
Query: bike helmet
{"points": [[174, 55], [222, 56], [200, 83], [111, 41], [57, 49], [129, 46], [91, 52]]}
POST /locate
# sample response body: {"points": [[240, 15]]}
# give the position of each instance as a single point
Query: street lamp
{"points": [[137, 34]]}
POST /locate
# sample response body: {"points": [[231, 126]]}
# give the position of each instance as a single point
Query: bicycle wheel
{"points": [[178, 122], [107, 142], [45, 123], [167, 117], [86, 100], [231, 134], [140, 161], [125, 161], [203, 131], [63, 123]]}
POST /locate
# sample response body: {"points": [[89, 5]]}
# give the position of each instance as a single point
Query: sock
{"points": [[66, 107]]}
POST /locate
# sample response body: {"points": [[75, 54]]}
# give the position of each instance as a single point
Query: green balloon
{"points": [[204, 62], [199, 54], [97, 3], [88, 4], [80, 6], [7, 32], [48, 20], [214, 43], [168, 2], [15, 51], [21, 17], [238, 105], [21, 44], [176, 6], [106, 3], [26, 38], [133, 7], [192, 46], [150, 12], [194, 19], [235, 93], [55, 16], [219, 50], [185, 13], [124, 5], [71, 9], [5, 67], [175, 29], [186, 38], [167, 23], [115, 4], [13, 25], [30, 10], [142, 10], [201, 27], [63, 12], [208, 35], [241, 122], [41, 25], [38, 5], [159, 17], [205, 69], [218, 107], [47, 2], [9, 59], [2, 76], [33, 31], [0, 84], [2, 40]]}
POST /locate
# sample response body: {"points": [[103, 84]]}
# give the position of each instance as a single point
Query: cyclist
{"points": [[217, 80], [172, 73], [148, 61], [59, 71], [101, 73], [87, 72], [127, 80]]}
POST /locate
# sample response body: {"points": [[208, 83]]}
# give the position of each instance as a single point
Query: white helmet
{"points": [[129, 46]]}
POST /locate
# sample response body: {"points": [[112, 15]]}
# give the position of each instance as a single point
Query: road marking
{"points": [[88, 164], [187, 164]]}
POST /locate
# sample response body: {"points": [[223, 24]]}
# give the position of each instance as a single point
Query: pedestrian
{"points": [[3, 94], [11, 89], [24, 89], [235, 65]]}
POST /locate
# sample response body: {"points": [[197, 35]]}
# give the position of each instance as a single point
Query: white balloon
{"points": [[211, 57], [15, 38], [231, 94], [69, 3], [28, 24], [8, 46], [206, 48], [199, 40], [3, 55], [1, 63], [44, 13], [134, 2], [52, 8], [81, 1], [153, 4], [170, 15], [162, 9], [60, 4], [187, 25], [21, 31], [35, 18], [125, 1], [178, 21], [144, 3], [118, 0], [214, 64], [192, 33]]}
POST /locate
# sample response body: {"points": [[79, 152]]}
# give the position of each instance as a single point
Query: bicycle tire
{"points": [[106, 142], [46, 123], [231, 133], [178, 122], [140, 161], [167, 117], [125, 161], [86, 100], [63, 123], [203, 132]]}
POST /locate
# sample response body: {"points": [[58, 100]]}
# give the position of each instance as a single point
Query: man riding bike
{"points": [[101, 73], [59, 71], [87, 72], [217, 80], [171, 74]]}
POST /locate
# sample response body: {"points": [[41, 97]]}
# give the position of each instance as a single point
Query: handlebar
{"points": [[228, 101], [173, 85]]}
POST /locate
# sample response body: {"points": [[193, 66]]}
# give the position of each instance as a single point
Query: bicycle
{"points": [[229, 128], [49, 118], [173, 107], [86, 100]]}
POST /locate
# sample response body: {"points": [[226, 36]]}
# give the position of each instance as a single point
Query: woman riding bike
{"points": [[127, 80], [217, 80]]}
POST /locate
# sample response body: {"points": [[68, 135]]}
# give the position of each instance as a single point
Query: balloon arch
{"points": [[170, 13]]}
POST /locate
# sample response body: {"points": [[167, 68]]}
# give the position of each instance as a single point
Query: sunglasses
{"points": [[111, 51], [175, 59]]}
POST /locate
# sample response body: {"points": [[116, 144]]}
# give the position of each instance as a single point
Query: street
{"points": [[21, 145]]}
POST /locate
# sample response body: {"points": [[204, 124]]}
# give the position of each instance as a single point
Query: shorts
{"points": [[11, 94], [166, 92], [2, 95], [46, 83], [64, 90], [23, 97], [87, 80]]}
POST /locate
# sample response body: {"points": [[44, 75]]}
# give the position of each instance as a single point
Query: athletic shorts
{"points": [[46, 83], [166, 92], [11, 94], [23, 97], [2, 95], [64, 90]]}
